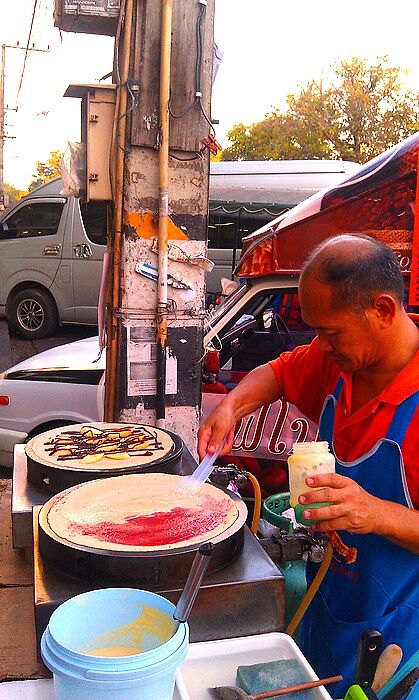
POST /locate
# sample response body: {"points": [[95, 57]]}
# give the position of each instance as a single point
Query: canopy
{"points": [[378, 200]]}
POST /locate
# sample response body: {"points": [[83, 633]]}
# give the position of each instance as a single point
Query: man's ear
{"points": [[384, 308]]}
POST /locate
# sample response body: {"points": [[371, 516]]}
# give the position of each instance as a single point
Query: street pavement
{"points": [[14, 349]]}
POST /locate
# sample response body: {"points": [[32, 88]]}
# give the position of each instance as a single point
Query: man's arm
{"points": [[259, 387], [355, 510]]}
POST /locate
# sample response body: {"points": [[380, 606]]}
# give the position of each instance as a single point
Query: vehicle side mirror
{"points": [[7, 231]]}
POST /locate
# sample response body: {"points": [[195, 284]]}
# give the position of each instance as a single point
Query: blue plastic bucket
{"points": [[114, 621]]}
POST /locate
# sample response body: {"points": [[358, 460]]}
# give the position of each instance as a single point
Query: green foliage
{"points": [[363, 111], [46, 171], [217, 157], [12, 194]]}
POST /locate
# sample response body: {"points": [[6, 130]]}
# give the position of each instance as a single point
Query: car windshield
{"points": [[212, 316]]}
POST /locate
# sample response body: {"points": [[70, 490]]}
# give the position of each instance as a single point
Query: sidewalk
{"points": [[18, 657]]}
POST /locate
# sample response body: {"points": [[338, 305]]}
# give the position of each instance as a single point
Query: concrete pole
{"points": [[187, 206]]}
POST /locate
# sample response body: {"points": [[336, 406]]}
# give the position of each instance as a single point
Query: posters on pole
{"points": [[141, 363]]}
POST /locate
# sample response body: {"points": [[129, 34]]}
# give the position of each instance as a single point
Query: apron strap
{"points": [[402, 417], [338, 388], [327, 418]]}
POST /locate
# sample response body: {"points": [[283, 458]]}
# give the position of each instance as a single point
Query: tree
{"points": [[363, 111], [12, 194], [217, 157], [46, 171]]}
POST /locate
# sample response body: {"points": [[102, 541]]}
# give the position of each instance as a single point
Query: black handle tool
{"points": [[403, 686], [369, 650]]}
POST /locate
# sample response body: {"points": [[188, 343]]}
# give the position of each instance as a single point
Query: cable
{"points": [[185, 111], [198, 72], [27, 51], [198, 154]]}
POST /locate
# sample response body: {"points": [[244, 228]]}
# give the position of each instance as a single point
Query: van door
{"points": [[88, 247], [31, 243]]}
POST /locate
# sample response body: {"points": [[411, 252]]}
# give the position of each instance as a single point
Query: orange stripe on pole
{"points": [[414, 270]]}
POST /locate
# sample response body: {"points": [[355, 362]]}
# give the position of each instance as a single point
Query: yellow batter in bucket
{"points": [[128, 640]]}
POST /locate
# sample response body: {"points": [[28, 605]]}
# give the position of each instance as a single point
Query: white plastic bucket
{"points": [[114, 618]]}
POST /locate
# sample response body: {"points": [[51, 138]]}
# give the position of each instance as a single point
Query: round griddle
{"points": [[63, 476], [154, 568]]}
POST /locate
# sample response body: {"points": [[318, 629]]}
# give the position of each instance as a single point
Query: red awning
{"points": [[378, 200]]}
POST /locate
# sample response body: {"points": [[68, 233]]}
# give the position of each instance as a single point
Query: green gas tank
{"points": [[294, 571]]}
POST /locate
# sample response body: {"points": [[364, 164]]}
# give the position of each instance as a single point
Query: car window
{"points": [[94, 216], [269, 324], [33, 220]]}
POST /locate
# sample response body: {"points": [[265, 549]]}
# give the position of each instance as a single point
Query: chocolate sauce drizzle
{"points": [[82, 445]]}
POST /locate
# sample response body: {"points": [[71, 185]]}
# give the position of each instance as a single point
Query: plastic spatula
{"points": [[228, 692], [201, 473], [388, 663]]}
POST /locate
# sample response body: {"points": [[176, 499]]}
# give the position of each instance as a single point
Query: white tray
{"points": [[27, 690], [210, 664], [207, 664]]}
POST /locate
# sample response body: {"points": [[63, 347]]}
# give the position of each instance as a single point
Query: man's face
{"points": [[349, 338]]}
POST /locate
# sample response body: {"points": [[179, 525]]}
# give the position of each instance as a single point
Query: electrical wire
{"points": [[198, 90], [185, 111], [26, 52], [198, 154]]}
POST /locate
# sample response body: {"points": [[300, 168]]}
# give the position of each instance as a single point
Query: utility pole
{"points": [[3, 59], [4, 108], [158, 303]]}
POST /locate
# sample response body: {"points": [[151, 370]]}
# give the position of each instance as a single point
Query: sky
{"points": [[270, 49]]}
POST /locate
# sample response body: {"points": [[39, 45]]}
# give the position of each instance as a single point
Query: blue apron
{"points": [[371, 582]]}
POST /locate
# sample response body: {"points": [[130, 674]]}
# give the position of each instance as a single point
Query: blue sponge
{"points": [[259, 678]]}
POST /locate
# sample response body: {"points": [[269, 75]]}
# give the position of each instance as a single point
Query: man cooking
{"points": [[359, 380]]}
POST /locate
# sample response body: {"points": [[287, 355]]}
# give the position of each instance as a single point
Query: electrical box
{"points": [[97, 117], [88, 16]]}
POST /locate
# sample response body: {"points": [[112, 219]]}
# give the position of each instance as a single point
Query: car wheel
{"points": [[48, 426], [33, 314]]}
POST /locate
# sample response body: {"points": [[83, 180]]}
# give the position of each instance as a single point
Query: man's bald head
{"points": [[357, 268]]}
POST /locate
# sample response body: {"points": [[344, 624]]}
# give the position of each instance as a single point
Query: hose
{"points": [[258, 502], [312, 590]]}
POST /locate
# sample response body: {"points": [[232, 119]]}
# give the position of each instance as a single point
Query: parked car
{"points": [[51, 246], [253, 325]]}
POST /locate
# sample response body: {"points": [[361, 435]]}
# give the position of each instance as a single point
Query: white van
{"points": [[245, 195], [51, 252], [51, 247]]}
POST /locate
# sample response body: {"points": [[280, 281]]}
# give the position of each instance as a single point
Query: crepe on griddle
{"points": [[140, 512]]}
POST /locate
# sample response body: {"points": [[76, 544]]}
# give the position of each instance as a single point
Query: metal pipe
{"points": [[162, 257], [3, 68], [118, 150]]}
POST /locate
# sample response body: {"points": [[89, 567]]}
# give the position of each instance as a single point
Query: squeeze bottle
{"points": [[307, 459]]}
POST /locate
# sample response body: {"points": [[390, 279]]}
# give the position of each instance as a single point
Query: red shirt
{"points": [[307, 375]]}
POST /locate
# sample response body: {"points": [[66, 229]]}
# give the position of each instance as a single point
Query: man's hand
{"points": [[258, 388], [219, 425], [352, 509]]}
